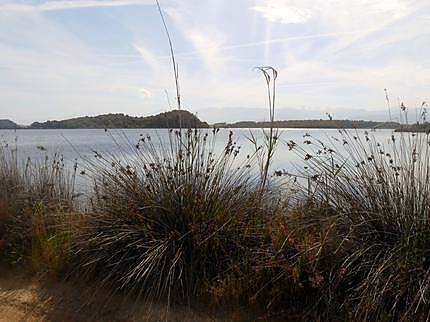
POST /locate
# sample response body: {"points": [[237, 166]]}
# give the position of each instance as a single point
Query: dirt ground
{"points": [[29, 298]]}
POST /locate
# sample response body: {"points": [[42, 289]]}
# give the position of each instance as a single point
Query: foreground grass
{"points": [[180, 224], [36, 206]]}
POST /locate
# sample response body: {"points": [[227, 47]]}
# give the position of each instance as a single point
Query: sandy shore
{"points": [[25, 298]]}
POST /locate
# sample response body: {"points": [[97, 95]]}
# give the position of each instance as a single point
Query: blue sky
{"points": [[60, 59]]}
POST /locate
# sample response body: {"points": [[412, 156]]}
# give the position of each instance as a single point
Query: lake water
{"points": [[75, 144]]}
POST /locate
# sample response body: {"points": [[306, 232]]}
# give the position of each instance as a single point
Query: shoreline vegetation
{"points": [[316, 124], [347, 237], [415, 128], [173, 119]]}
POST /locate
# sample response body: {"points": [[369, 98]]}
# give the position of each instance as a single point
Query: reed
{"points": [[172, 218], [34, 201], [379, 194], [266, 151]]}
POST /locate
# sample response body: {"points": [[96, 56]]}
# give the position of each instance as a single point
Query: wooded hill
{"points": [[8, 124], [171, 119]]}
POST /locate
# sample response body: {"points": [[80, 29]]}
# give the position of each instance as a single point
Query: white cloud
{"points": [[394, 7], [75, 4], [337, 14], [278, 11], [15, 7]]}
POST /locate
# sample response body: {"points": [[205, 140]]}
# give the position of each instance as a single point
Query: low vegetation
{"points": [[348, 237]]}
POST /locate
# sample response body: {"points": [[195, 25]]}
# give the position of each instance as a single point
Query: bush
{"points": [[380, 194], [172, 219]]}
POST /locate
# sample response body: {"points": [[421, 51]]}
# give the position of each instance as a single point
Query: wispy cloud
{"points": [[75, 4], [63, 5], [146, 92], [206, 45], [209, 47], [293, 38], [329, 53], [147, 56]]}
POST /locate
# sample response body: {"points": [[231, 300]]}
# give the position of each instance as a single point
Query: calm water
{"points": [[75, 144]]}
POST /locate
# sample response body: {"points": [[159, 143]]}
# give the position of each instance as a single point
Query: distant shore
{"points": [[415, 128], [185, 119], [313, 124]]}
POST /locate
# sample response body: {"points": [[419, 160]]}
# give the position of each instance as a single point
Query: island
{"points": [[171, 119], [8, 124]]}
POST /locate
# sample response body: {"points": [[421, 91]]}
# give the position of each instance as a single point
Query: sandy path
{"points": [[24, 298], [20, 300]]}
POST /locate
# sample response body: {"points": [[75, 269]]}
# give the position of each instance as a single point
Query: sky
{"points": [[62, 59]]}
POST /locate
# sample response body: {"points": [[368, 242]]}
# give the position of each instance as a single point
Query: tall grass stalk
{"points": [[175, 66], [267, 151]]}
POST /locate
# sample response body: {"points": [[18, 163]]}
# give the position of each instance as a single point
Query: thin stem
{"points": [[172, 55]]}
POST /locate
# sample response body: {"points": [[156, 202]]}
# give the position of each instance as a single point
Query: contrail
{"points": [[227, 47], [275, 41], [281, 40]]}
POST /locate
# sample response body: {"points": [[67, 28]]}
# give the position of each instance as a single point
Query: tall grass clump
{"points": [[379, 192], [11, 182], [170, 220], [35, 199]]}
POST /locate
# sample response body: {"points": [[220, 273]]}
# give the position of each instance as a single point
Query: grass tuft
{"points": [[172, 220]]}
